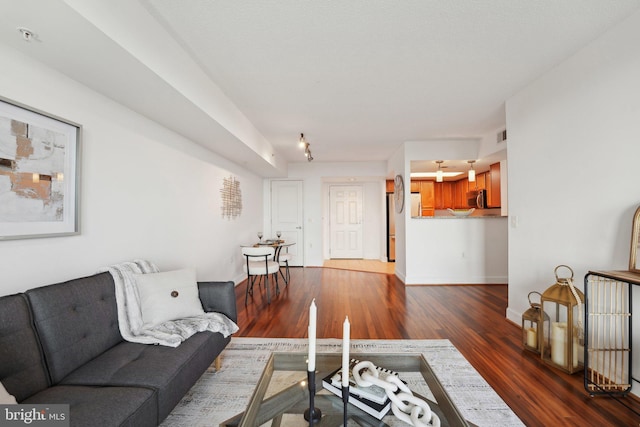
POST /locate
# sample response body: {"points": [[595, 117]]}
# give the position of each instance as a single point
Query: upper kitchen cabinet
{"points": [[389, 185], [493, 186], [427, 197], [443, 194], [480, 183], [453, 190], [460, 196]]}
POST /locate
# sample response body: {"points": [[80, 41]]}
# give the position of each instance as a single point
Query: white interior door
{"points": [[287, 216], [346, 221]]}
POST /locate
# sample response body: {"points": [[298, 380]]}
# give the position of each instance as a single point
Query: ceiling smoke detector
{"points": [[27, 34]]}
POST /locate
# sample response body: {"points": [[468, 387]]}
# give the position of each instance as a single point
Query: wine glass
{"points": [[260, 235], [278, 233]]}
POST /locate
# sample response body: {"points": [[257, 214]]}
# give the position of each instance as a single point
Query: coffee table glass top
{"points": [[281, 395]]}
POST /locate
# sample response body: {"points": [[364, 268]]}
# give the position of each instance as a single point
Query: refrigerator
{"points": [[391, 228], [416, 205]]}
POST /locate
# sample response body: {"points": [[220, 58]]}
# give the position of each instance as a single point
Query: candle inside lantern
{"points": [[312, 336], [577, 351], [345, 352], [558, 338], [532, 337]]}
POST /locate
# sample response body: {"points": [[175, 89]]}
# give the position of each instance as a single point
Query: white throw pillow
{"points": [[5, 397], [168, 296]]}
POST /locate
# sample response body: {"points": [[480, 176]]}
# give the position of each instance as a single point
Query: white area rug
{"points": [[218, 396]]}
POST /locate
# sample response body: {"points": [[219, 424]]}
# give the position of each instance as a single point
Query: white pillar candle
{"points": [[558, 340], [312, 336], [345, 352], [576, 351], [532, 337]]}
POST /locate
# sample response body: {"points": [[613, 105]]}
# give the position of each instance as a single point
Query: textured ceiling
{"points": [[359, 78]]}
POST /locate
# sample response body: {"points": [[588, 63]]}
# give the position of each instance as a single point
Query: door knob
{"points": [[299, 227]]}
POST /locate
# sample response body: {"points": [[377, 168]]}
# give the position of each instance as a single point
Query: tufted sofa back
{"points": [[22, 369], [76, 321]]}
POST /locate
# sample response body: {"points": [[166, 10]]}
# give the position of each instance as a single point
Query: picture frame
{"points": [[39, 173]]}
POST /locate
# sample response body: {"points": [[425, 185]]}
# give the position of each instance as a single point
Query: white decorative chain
{"points": [[405, 406]]}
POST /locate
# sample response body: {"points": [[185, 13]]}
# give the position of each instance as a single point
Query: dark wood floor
{"points": [[379, 306]]}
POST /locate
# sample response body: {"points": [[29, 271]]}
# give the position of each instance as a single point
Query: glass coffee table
{"points": [[275, 404]]}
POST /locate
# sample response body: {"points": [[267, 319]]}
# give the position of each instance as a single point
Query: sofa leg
{"points": [[217, 363]]}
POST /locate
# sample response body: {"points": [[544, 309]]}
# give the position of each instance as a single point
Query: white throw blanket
{"points": [[170, 333]]}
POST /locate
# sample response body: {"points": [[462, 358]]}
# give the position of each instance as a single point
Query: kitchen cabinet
{"points": [[453, 194], [460, 195], [389, 185], [427, 197], [427, 194], [493, 186], [480, 184], [443, 194]]}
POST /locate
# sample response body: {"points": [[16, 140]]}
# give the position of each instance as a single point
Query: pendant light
{"points": [[439, 171], [472, 172]]}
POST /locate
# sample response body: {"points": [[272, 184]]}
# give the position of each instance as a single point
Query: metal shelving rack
{"points": [[608, 343]]}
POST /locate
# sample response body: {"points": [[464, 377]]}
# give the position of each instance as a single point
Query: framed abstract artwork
{"points": [[39, 173]]}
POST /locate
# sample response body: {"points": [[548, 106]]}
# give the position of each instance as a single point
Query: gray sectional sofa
{"points": [[61, 344]]}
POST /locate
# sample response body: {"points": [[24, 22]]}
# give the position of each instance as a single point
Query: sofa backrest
{"points": [[22, 369], [76, 321]]}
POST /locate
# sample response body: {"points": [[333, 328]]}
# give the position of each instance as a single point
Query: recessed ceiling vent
{"points": [[502, 136], [27, 34]]}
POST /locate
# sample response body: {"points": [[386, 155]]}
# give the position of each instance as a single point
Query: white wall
{"points": [[442, 251], [456, 251], [574, 147], [317, 177], [399, 164], [145, 191], [489, 144], [445, 149]]}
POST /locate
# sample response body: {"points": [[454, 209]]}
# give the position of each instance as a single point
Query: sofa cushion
{"points": [[103, 406], [219, 297], [22, 368], [168, 296], [170, 371], [76, 321]]}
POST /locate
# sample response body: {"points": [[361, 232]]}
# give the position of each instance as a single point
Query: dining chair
{"points": [[283, 259], [260, 263]]}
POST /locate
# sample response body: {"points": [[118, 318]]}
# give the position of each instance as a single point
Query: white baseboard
{"points": [[514, 316]]}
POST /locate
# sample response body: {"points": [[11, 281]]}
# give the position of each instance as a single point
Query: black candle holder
{"points": [[345, 402], [312, 414]]}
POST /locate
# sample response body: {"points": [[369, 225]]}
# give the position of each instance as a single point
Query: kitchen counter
{"points": [[457, 217], [478, 213]]}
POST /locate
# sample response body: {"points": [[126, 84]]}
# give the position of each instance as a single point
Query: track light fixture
{"points": [[304, 144], [472, 172]]}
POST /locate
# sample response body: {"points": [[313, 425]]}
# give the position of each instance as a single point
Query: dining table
{"points": [[278, 244]]}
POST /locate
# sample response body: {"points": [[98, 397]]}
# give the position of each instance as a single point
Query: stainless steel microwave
{"points": [[477, 199]]}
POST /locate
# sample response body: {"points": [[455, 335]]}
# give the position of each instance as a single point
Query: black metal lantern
{"points": [[563, 343], [534, 321]]}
